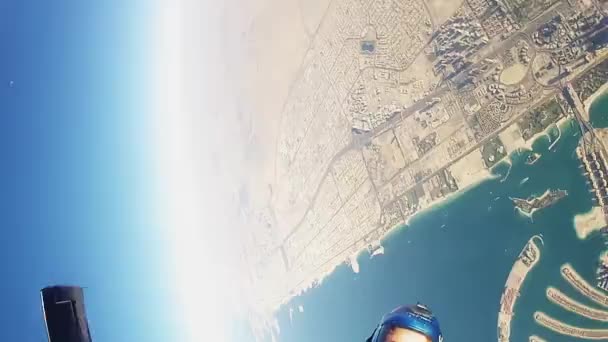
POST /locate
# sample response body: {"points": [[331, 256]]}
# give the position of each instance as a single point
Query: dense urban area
{"points": [[400, 103]]}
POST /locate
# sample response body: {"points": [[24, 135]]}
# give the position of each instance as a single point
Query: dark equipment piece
{"points": [[64, 314]]}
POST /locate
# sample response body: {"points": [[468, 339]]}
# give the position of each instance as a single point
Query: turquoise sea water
{"points": [[599, 111], [460, 270]]}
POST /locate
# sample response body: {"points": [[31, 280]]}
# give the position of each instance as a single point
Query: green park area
{"points": [[539, 118], [526, 10], [493, 151], [592, 80]]}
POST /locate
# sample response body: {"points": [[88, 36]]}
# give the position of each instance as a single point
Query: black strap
{"points": [[369, 339]]}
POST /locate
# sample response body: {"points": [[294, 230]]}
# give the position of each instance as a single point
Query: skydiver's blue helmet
{"points": [[408, 323]]}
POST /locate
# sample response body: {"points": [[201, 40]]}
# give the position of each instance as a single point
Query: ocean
{"points": [[455, 257]]}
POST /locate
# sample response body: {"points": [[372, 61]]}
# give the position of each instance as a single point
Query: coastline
{"points": [[438, 202], [602, 91], [429, 207], [471, 182], [527, 145], [425, 208], [517, 145], [438, 253]]}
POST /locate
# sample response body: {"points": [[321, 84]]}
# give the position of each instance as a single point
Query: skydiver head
{"points": [[414, 323]]}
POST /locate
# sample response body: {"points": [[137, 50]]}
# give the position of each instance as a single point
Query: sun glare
{"points": [[199, 291]]}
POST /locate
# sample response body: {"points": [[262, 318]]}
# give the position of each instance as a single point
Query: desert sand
{"points": [[470, 170], [587, 223]]}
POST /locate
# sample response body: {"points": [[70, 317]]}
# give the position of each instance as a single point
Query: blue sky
{"points": [[76, 175]]}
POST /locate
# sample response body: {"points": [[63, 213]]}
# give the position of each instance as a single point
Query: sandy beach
{"points": [[587, 223], [511, 138], [589, 101], [472, 181], [469, 170]]}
